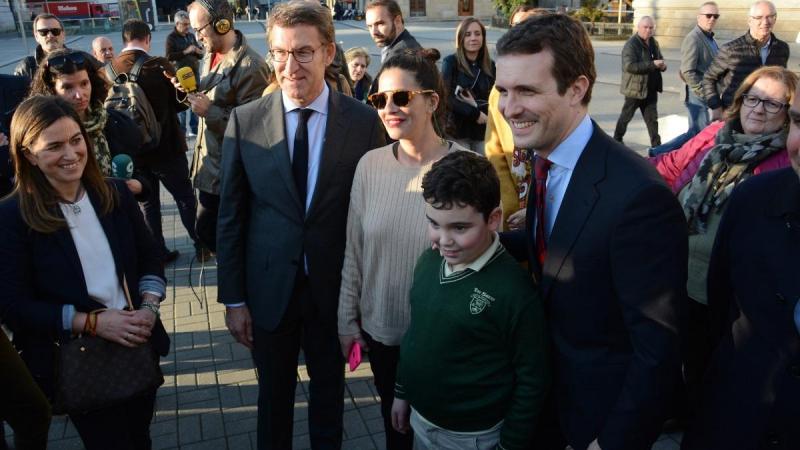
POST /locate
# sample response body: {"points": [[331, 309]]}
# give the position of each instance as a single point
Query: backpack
{"points": [[125, 95]]}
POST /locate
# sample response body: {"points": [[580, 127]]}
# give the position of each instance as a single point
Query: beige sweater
{"points": [[386, 233]]}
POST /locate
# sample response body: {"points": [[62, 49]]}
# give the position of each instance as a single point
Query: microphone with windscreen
{"points": [[122, 167], [187, 80]]}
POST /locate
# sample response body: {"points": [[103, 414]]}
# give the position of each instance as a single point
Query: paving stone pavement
{"points": [[208, 400]]}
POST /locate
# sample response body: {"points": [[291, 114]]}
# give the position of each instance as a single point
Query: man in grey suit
{"points": [[697, 51], [288, 161]]}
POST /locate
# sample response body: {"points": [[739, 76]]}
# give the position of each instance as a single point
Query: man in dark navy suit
{"points": [[605, 240]]}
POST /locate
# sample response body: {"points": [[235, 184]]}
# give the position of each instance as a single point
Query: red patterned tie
{"points": [[540, 169]]}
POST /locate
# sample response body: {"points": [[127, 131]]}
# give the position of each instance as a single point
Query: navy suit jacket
{"points": [[263, 231], [752, 385], [42, 272], [612, 282]]}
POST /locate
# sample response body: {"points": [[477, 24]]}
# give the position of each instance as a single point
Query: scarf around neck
{"points": [[95, 124], [732, 160]]}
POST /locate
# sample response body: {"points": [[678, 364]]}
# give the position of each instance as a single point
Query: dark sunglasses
{"points": [[57, 63], [45, 31], [399, 97], [711, 16]]}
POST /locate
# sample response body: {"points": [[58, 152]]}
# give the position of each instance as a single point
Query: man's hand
{"points": [[347, 341], [174, 80], [135, 186], [716, 114], [482, 119], [199, 102], [400, 414], [594, 446], [240, 325], [516, 221], [660, 64], [3, 140]]}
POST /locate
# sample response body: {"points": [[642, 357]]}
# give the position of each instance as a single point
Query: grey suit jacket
{"points": [[263, 231], [696, 55]]}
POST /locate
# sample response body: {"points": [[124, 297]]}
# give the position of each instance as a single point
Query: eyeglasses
{"points": [[198, 30], [304, 55], [770, 18], [57, 63], [43, 32], [711, 16], [399, 97], [771, 106]]}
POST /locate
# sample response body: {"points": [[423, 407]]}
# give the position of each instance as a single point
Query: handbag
{"points": [[94, 373]]}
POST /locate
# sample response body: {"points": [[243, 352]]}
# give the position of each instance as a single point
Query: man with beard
{"points": [[49, 34], [231, 74], [386, 26]]}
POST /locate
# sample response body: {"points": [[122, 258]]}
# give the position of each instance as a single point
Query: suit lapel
{"points": [[579, 201], [277, 144], [335, 127]]}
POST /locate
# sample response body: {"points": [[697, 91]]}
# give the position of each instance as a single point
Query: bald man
{"points": [[103, 49], [642, 64]]}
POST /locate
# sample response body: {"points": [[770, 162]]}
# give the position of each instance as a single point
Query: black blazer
{"points": [[612, 283], [752, 386], [262, 231], [42, 272]]}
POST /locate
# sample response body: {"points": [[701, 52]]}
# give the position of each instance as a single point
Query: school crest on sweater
{"points": [[479, 301]]}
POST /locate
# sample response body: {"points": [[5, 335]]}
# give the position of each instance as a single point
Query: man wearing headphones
{"points": [[231, 74]]}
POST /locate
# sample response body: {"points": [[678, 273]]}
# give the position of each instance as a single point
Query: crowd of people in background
{"points": [[519, 278]]}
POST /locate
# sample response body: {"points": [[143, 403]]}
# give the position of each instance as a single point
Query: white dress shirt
{"points": [[316, 134], [564, 158]]}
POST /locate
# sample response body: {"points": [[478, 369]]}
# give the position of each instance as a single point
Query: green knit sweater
{"points": [[475, 352]]}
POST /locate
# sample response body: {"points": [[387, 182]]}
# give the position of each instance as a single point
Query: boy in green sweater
{"points": [[473, 368]]}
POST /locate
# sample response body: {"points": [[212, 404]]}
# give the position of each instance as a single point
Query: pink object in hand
{"points": [[355, 356]]}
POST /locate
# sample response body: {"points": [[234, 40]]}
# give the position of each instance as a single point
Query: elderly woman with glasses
{"points": [[74, 76], [357, 59], [704, 171], [386, 227]]}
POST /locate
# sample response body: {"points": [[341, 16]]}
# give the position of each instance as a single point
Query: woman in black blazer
{"points": [[751, 391], [69, 239]]}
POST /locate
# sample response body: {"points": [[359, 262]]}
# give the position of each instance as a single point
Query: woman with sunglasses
{"points": [[469, 77], [703, 173], [386, 227], [77, 241], [75, 76]]}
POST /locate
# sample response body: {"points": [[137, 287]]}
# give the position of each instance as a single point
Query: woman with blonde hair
{"points": [[468, 75], [357, 59]]}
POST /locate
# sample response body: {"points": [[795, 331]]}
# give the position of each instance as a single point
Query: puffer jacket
{"points": [[239, 78], [735, 61], [678, 167], [637, 65]]}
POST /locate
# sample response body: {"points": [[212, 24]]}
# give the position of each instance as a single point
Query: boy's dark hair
{"points": [[135, 30], [462, 179], [565, 38]]}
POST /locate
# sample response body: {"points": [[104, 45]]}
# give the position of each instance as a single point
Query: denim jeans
{"points": [[428, 436], [192, 120], [698, 119]]}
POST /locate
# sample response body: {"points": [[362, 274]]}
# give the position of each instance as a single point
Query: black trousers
{"points": [[22, 404], [172, 170], [122, 427], [275, 353], [649, 113], [383, 360], [697, 349], [206, 225]]}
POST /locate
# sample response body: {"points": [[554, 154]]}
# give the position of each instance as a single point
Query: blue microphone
{"points": [[122, 166]]}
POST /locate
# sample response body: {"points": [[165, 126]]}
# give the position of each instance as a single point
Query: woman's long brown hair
{"points": [[38, 200]]}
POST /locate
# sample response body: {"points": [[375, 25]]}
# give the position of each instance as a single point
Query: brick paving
{"points": [[209, 395]]}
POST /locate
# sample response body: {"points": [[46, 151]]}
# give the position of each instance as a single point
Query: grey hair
{"points": [[181, 15], [762, 2]]}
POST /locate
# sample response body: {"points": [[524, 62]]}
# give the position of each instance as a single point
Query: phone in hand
{"points": [[459, 91], [354, 360]]}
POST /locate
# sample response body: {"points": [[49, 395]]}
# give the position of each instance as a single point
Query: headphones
{"points": [[221, 25]]}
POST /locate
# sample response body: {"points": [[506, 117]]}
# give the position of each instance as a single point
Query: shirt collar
{"points": [[131, 48], [567, 153], [320, 104], [769, 41], [480, 262]]}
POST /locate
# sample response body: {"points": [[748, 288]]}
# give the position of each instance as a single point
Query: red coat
{"points": [[679, 166]]}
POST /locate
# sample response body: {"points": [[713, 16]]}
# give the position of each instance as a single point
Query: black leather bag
{"points": [[94, 373]]}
